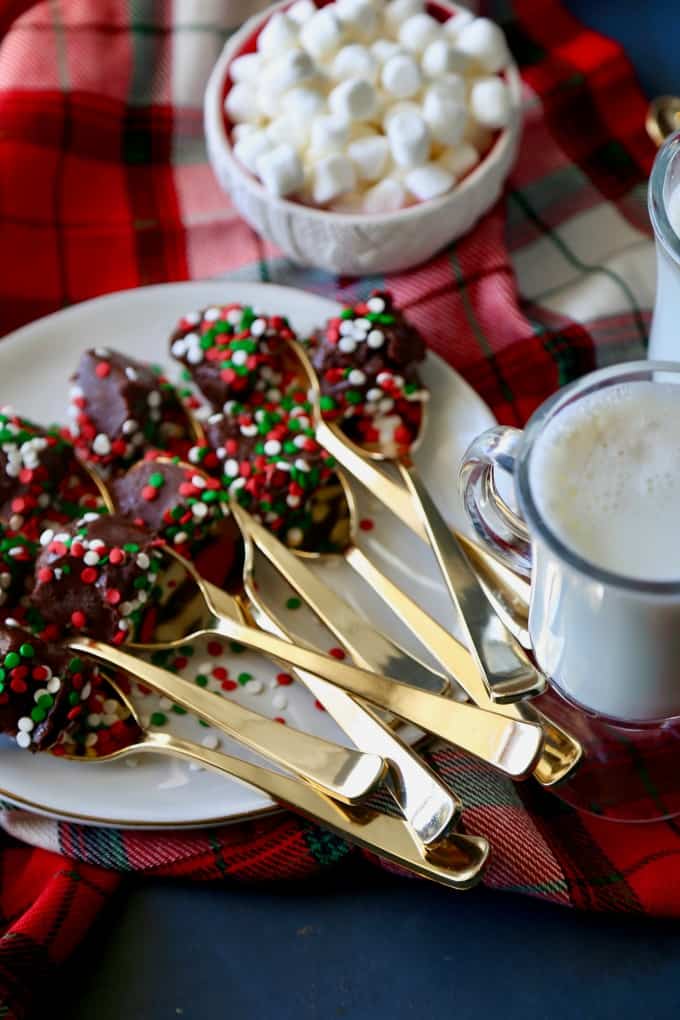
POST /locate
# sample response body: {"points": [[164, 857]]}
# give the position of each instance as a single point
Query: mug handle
{"points": [[496, 523]]}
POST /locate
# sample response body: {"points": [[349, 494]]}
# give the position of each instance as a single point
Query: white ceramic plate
{"points": [[35, 363]]}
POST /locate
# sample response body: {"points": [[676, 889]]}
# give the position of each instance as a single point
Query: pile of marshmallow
{"points": [[367, 106]]}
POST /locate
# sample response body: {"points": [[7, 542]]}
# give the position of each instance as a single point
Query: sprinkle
{"points": [[293, 603], [211, 741], [337, 653], [375, 339], [158, 719], [78, 619], [280, 701], [101, 445]]}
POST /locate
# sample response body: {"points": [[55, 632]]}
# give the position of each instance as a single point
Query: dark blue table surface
{"points": [[361, 944]]}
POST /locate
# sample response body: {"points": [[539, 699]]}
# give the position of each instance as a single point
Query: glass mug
{"points": [[609, 643], [664, 181]]}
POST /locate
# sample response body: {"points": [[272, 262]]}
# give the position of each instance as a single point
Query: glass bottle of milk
{"points": [[664, 212]]}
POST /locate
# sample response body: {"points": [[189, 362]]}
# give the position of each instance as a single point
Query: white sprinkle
{"points": [[211, 741], [25, 724], [302, 464], [164, 703], [101, 445], [130, 426], [374, 394], [346, 327], [375, 305], [294, 537], [53, 685], [86, 691], [258, 327], [231, 468], [179, 348], [91, 739], [23, 739], [143, 561], [347, 345], [211, 314], [192, 318], [200, 510], [293, 501], [239, 357], [356, 377], [279, 700], [131, 373], [181, 537], [91, 558], [248, 430], [154, 398], [375, 339], [94, 719], [272, 447], [254, 687]]}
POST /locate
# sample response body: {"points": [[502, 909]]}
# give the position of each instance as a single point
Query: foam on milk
{"points": [[605, 475]]}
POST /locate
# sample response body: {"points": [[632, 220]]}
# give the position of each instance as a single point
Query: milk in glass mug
{"points": [[596, 476]]}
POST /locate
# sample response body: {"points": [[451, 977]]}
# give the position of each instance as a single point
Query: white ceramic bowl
{"points": [[355, 244]]}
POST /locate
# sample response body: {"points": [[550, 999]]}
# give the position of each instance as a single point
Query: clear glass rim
{"points": [[633, 371], [656, 201]]}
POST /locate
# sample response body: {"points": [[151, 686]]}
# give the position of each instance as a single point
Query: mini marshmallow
{"points": [[401, 76], [397, 11], [418, 31], [369, 156], [267, 98], [441, 57], [454, 26], [328, 135], [241, 103], [429, 181], [322, 34], [409, 138], [247, 150], [403, 107], [358, 18], [246, 67], [293, 68], [301, 11], [445, 117], [288, 129], [240, 131], [383, 49], [332, 176], [354, 99], [303, 102], [385, 197], [350, 202], [280, 33], [490, 102], [459, 160], [484, 42], [354, 61], [280, 170]]}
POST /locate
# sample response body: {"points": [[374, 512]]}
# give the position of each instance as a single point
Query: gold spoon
{"points": [[663, 118], [456, 861], [504, 666], [512, 746]]}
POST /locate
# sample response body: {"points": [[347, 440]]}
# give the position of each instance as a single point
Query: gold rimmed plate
{"points": [[35, 363]]}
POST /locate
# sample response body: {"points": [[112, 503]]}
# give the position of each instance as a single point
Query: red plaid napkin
{"points": [[104, 185]]}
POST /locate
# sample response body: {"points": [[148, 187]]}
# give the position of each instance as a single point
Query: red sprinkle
{"points": [[149, 493], [228, 685], [78, 620], [220, 673], [284, 679], [116, 555], [89, 575], [214, 649], [45, 575], [113, 596], [366, 524], [103, 369], [337, 653]]}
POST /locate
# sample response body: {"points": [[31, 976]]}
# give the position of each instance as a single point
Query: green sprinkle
{"points": [[326, 403], [353, 397], [156, 480], [73, 698], [178, 710], [27, 651], [131, 547], [158, 719], [293, 603], [347, 313], [236, 647], [243, 678], [160, 658], [75, 665], [201, 679], [12, 660], [45, 701], [2, 674], [38, 715], [202, 722], [187, 649]]}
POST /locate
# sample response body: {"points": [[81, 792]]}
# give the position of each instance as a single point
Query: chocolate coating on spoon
{"points": [[120, 408], [96, 577], [44, 689], [230, 351]]}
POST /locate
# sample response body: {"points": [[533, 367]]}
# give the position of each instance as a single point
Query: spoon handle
{"points": [[509, 745], [505, 668], [561, 752], [346, 774], [456, 861]]}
